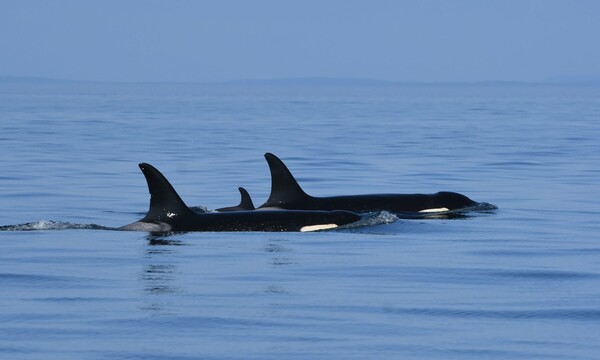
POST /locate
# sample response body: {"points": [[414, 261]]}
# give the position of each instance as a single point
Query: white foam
{"points": [[51, 225], [373, 219], [318, 227], [44, 225]]}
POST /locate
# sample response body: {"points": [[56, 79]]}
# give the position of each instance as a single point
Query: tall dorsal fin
{"points": [[246, 202], [165, 203], [284, 187]]}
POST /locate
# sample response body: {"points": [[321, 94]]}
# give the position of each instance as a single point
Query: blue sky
{"points": [[425, 40]]}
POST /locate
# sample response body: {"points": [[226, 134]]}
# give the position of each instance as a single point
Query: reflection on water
{"points": [[159, 275], [162, 240], [274, 289], [159, 278], [276, 250], [273, 246]]}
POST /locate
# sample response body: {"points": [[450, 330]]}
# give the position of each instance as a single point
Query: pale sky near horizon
{"points": [[424, 40]]}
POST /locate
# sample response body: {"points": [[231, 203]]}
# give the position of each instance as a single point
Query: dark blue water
{"points": [[521, 282]]}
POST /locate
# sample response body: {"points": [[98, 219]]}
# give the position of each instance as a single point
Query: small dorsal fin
{"points": [[246, 202], [284, 187], [165, 203]]}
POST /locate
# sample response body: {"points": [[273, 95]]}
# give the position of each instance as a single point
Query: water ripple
{"points": [[548, 314]]}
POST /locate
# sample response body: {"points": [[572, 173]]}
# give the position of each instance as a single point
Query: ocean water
{"points": [[520, 282]]}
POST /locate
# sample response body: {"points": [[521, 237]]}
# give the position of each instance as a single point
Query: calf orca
{"points": [[168, 213], [286, 193], [245, 204]]}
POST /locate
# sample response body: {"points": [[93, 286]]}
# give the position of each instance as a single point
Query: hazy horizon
{"points": [[307, 80], [220, 41]]}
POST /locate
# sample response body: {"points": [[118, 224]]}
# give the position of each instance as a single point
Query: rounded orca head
{"points": [[452, 200]]}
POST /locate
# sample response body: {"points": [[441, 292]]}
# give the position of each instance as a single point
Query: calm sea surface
{"points": [[521, 282]]}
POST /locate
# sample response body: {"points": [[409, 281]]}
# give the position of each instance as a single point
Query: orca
{"points": [[168, 213], [245, 204], [286, 193]]}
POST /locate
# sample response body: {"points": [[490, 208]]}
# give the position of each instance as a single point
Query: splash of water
{"points": [[52, 225], [373, 219]]}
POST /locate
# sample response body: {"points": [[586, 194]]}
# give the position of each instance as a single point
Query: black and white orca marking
{"points": [[286, 193], [168, 213]]}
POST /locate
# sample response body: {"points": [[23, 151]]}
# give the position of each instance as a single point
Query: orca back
{"points": [[286, 193]]}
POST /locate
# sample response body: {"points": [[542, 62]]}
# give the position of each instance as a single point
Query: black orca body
{"points": [[286, 193], [168, 213], [245, 204]]}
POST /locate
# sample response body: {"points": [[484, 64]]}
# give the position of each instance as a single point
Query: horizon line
{"points": [[312, 80]]}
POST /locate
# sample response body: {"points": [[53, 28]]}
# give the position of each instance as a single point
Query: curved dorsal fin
{"points": [[284, 187], [165, 203], [246, 202]]}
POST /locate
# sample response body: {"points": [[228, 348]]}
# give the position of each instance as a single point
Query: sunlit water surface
{"points": [[521, 282]]}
